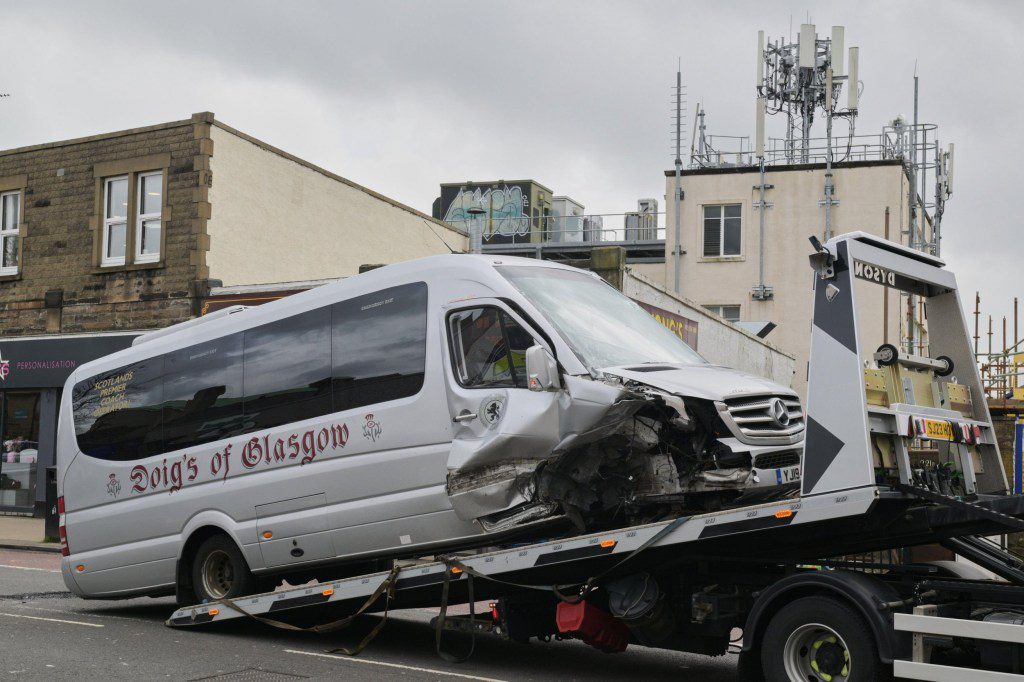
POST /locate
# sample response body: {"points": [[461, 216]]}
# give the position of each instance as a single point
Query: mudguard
{"points": [[865, 593]]}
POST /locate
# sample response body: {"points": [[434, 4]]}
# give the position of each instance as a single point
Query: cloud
{"points": [[401, 96]]}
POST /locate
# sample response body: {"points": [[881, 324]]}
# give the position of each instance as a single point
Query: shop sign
{"points": [[683, 327], [47, 363]]}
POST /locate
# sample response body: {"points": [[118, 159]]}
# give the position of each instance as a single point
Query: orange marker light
{"points": [[213, 612], [267, 535], [608, 543], [328, 592], [783, 513], [79, 568], [456, 569]]}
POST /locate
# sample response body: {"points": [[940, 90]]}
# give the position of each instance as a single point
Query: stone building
{"points": [[105, 236]]}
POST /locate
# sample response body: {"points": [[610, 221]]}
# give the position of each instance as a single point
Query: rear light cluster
{"points": [[62, 531]]}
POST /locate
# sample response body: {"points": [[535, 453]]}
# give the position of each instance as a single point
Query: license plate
{"points": [[788, 475], [935, 429]]}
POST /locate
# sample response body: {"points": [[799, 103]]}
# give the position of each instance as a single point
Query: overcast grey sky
{"points": [[401, 96]]}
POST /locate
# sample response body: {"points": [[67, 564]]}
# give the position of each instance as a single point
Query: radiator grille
{"points": [[767, 416], [777, 460]]}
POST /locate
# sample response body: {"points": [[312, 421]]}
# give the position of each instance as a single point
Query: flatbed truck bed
{"points": [[788, 532]]}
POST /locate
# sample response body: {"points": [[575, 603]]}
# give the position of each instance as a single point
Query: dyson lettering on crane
{"points": [[873, 273]]}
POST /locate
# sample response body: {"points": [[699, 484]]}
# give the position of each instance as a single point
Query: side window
{"points": [[379, 346], [149, 206], [287, 370], [115, 220], [203, 393], [722, 230], [117, 413], [488, 348], [10, 224]]}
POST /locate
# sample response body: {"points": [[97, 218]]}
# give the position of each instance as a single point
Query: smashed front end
{"points": [[629, 447]]}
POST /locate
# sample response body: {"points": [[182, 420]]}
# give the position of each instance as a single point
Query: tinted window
{"points": [[203, 393], [488, 347], [287, 367], [379, 346], [270, 375], [117, 414]]}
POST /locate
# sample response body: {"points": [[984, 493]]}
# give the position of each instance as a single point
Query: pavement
{"points": [[48, 634], [24, 532]]}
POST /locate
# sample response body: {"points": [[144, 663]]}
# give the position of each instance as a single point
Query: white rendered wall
{"points": [[274, 219]]}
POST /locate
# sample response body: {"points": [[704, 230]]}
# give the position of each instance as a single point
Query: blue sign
{"points": [[1018, 455]]}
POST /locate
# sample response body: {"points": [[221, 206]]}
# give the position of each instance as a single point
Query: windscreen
{"points": [[603, 327]]}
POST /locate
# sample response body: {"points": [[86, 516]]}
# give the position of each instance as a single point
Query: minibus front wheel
{"points": [[219, 570]]}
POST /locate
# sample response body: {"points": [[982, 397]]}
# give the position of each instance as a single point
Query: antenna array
{"points": [[799, 79]]}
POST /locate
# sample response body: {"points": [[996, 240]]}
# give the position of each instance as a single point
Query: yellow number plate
{"points": [[937, 430]]}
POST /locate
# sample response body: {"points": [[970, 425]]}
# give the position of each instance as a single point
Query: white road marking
{"points": [[29, 568], [432, 671], [73, 612], [52, 620]]}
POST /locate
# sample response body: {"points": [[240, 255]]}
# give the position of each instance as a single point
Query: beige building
{"points": [[277, 218], [719, 264]]}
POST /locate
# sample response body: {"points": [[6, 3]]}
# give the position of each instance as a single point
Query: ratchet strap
{"points": [[443, 613], [386, 589]]}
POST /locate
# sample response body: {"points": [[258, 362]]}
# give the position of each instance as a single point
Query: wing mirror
{"points": [[541, 370]]}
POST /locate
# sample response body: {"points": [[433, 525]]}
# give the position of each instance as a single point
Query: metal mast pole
{"points": [[829, 187], [676, 198], [926, 241], [914, 217]]}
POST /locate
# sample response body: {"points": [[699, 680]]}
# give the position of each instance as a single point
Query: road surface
{"points": [[47, 634]]}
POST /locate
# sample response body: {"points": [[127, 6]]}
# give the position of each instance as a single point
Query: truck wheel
{"points": [[820, 639], [219, 570]]}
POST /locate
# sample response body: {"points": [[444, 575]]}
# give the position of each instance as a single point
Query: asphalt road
{"points": [[47, 634]]}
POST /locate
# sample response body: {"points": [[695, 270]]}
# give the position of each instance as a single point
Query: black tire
{"points": [[949, 366], [810, 619], [219, 570]]}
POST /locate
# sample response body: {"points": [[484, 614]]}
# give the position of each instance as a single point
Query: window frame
{"points": [[716, 309], [721, 255], [142, 218], [105, 259], [538, 339], [133, 169], [14, 233]]}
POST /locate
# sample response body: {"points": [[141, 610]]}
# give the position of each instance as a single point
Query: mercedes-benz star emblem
{"points": [[779, 413]]}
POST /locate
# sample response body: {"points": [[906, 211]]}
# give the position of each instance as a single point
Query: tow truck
{"points": [[900, 452]]}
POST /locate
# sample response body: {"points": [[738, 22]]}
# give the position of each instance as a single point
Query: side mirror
{"points": [[541, 370]]}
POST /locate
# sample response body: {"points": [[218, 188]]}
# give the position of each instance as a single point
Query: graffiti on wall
{"points": [[505, 212]]}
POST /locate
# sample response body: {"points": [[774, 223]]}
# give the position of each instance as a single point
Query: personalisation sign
{"points": [[47, 363]]}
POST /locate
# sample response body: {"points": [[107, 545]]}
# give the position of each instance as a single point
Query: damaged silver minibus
{"points": [[447, 402]]}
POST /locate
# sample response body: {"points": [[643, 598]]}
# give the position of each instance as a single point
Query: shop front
{"points": [[32, 375]]}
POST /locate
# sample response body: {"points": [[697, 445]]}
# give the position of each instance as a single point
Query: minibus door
{"points": [[498, 424]]}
